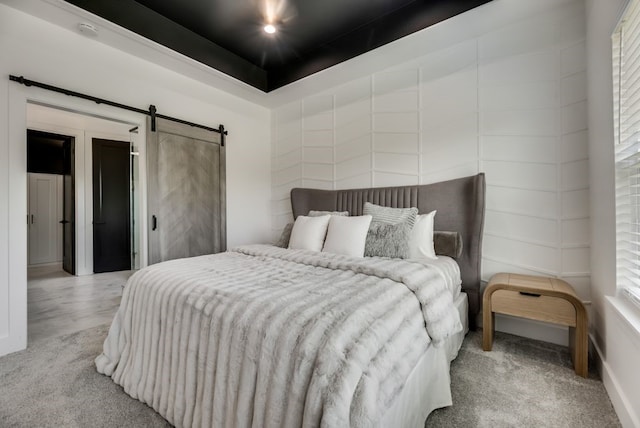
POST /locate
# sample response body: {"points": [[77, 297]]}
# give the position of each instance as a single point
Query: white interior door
{"points": [[45, 213]]}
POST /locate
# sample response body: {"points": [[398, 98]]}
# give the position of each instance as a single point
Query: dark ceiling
{"points": [[312, 34]]}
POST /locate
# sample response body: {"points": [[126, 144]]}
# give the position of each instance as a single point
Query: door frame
{"points": [[69, 219], [13, 264]]}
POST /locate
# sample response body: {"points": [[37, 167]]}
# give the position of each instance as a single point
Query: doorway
{"points": [[59, 303], [65, 116], [84, 128], [51, 200]]}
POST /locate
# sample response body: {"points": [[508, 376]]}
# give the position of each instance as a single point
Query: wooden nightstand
{"points": [[538, 298]]}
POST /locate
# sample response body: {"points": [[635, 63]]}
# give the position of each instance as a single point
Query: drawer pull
{"points": [[524, 293]]}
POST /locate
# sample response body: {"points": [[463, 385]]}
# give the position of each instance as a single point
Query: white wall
{"points": [[501, 89], [616, 324], [509, 100], [45, 52]]}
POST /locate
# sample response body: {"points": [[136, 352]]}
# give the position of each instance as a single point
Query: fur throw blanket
{"points": [[269, 337]]}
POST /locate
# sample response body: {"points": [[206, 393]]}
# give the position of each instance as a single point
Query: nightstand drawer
{"points": [[542, 308]]}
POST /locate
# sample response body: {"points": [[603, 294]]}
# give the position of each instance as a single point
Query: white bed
{"points": [[213, 341], [355, 330]]}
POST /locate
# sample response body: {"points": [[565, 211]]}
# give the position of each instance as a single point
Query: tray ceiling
{"points": [[311, 35]]}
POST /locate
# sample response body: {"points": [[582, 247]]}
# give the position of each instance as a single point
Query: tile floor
{"points": [[59, 303]]}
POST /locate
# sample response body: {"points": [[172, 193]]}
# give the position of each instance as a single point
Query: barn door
{"points": [[187, 196]]}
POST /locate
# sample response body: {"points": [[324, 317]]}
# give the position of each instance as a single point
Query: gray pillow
{"points": [[391, 215], [447, 244], [388, 240], [314, 213], [285, 236]]}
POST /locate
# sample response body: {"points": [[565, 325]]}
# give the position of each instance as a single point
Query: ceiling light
{"points": [[269, 28], [87, 29]]}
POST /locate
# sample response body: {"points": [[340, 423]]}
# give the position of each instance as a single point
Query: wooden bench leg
{"points": [[488, 318], [579, 344]]}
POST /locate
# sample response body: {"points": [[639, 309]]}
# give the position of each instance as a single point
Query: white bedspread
{"points": [[268, 337]]}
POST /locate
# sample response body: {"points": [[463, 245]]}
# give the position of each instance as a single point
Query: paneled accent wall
{"points": [[511, 103]]}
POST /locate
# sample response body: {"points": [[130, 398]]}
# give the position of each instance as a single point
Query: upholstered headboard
{"points": [[460, 205]]}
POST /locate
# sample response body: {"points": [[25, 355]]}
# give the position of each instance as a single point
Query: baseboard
{"points": [[621, 403], [619, 355], [48, 264], [11, 344]]}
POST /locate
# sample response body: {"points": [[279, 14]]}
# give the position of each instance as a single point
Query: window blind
{"points": [[626, 96]]}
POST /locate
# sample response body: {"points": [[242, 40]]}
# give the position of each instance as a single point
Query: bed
{"points": [[266, 336]]}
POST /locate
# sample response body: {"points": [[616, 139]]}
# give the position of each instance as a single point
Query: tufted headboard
{"points": [[460, 205]]}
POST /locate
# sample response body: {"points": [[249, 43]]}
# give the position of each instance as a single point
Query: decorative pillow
{"points": [[421, 242], [283, 242], [448, 244], [314, 213], [388, 240], [308, 232], [347, 235], [391, 215]]}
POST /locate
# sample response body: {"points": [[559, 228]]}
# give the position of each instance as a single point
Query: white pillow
{"points": [[347, 235], [308, 233], [421, 242]]}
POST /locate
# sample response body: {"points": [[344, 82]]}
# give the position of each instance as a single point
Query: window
{"points": [[626, 97]]}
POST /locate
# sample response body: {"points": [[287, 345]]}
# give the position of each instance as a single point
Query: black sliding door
{"points": [[111, 211]]}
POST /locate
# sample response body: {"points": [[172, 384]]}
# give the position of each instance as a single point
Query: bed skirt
{"points": [[427, 389]]}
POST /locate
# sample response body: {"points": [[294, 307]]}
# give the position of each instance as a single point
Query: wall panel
{"points": [[396, 102], [521, 148], [529, 67], [519, 96], [395, 122], [574, 146], [359, 146], [396, 142], [396, 80], [526, 228], [346, 114], [573, 58], [523, 175], [353, 130], [355, 166]]}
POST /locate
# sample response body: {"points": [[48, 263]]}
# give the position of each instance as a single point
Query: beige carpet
{"points": [[55, 384], [522, 383]]}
